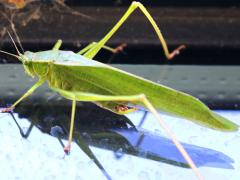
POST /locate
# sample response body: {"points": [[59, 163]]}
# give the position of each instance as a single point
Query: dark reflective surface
{"points": [[100, 128]]}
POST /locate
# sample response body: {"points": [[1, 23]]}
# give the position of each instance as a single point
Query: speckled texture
{"points": [[41, 156]]}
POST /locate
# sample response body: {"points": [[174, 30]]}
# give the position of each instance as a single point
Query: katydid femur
{"points": [[79, 78]]}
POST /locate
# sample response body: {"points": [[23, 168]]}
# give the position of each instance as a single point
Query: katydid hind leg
{"points": [[93, 51], [85, 49], [149, 106], [184, 153], [80, 96]]}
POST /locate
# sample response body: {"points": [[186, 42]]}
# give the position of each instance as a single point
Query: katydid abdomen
{"points": [[85, 75]]}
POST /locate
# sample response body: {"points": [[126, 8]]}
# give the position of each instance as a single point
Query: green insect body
{"points": [[62, 69], [77, 77]]}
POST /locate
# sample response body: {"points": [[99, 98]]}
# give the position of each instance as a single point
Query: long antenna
{"points": [[17, 37], [14, 43], [14, 55], [14, 31]]}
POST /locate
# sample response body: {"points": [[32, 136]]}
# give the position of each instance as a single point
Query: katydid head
{"points": [[25, 61], [33, 65], [27, 65]]}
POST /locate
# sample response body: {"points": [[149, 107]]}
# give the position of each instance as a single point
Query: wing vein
{"points": [[90, 82]]}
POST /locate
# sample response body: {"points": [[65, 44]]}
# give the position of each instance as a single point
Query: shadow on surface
{"points": [[100, 128]]}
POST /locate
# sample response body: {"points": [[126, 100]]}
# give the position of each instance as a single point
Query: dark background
{"points": [[209, 29]]}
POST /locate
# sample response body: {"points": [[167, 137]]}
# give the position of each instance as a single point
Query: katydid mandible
{"points": [[77, 77]]}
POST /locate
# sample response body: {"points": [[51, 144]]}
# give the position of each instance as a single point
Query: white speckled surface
{"points": [[41, 156]]}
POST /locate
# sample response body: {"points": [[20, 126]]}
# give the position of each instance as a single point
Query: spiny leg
{"points": [[68, 147], [91, 53], [134, 98], [29, 92]]}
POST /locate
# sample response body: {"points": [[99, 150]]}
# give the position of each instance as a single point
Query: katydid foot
{"points": [[7, 110], [176, 52], [119, 48], [67, 149]]}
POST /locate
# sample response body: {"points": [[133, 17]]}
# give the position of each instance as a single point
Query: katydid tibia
{"points": [[77, 77]]}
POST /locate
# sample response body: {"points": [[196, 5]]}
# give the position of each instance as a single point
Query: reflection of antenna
{"points": [[14, 43]]}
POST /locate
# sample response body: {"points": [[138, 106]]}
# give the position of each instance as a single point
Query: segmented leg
{"points": [[57, 45], [68, 147], [92, 45], [29, 92], [96, 48], [134, 99], [89, 46], [119, 48]]}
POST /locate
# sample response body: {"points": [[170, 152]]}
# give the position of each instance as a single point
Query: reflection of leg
{"points": [[143, 118], [134, 99], [68, 147], [84, 146], [25, 135], [29, 92], [59, 133], [91, 53]]}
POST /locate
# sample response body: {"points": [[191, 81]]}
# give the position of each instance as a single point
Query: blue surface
{"points": [[215, 153]]}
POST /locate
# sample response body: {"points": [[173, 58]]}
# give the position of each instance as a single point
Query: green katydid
{"points": [[77, 77]]}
